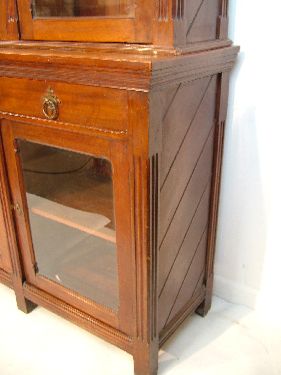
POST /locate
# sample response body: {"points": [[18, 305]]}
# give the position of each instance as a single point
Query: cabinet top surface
{"points": [[129, 67], [102, 52]]}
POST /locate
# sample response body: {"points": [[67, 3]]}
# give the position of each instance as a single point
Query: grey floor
{"points": [[232, 340]]}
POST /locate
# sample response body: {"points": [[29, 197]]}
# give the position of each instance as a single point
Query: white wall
{"points": [[248, 258]]}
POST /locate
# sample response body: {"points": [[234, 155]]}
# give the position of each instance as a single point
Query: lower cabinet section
{"points": [[111, 221]]}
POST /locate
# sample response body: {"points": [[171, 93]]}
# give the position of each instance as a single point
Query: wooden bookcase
{"points": [[112, 121]]}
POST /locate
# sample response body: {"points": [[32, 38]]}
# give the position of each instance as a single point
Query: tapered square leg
{"points": [[145, 358], [24, 304], [205, 307]]}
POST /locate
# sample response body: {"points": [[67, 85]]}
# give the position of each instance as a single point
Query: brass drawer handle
{"points": [[51, 105]]}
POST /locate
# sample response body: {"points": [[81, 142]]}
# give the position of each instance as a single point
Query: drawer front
{"points": [[92, 108]]}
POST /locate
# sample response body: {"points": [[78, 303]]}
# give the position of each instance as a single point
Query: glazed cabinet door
{"points": [[71, 198], [86, 20]]}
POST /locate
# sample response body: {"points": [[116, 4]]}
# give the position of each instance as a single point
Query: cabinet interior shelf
{"points": [[88, 222]]}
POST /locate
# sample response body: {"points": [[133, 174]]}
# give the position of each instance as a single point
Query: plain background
{"points": [[248, 260]]}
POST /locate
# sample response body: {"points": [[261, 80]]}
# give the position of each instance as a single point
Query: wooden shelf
{"points": [[82, 200], [88, 222], [78, 261]]}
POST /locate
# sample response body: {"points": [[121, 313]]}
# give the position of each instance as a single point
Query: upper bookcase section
{"points": [[169, 23]]}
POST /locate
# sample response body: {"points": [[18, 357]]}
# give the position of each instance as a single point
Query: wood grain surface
{"points": [[156, 109]]}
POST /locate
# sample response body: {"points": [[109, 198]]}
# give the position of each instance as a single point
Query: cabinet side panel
{"points": [[200, 21], [188, 132]]}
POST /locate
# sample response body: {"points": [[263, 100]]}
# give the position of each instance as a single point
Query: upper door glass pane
{"points": [[82, 8]]}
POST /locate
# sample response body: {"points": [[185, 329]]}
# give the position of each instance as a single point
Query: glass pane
{"points": [[71, 212], [82, 8]]}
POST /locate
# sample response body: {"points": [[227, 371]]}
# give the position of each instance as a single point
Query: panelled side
{"points": [[199, 21], [189, 113]]}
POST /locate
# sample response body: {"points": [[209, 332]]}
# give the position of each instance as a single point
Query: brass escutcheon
{"points": [[51, 105]]}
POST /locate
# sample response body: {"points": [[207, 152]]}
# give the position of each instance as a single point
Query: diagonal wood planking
{"points": [[187, 152], [173, 135], [183, 259], [200, 20], [184, 215], [194, 272], [187, 140], [194, 8]]}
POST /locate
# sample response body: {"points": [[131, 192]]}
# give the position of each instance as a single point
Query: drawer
{"points": [[92, 108]]}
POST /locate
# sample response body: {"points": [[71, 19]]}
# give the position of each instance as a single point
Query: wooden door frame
{"points": [[8, 20], [118, 153], [136, 29]]}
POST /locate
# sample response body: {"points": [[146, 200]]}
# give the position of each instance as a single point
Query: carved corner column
{"points": [[146, 340], [8, 20], [222, 27]]}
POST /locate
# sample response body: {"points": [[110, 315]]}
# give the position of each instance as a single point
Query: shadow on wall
{"points": [[242, 225]]}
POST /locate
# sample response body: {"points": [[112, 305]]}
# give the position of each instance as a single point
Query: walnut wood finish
{"points": [[5, 278], [104, 110], [185, 206], [171, 23], [136, 29], [114, 151], [157, 112], [5, 259], [8, 20], [5, 262]]}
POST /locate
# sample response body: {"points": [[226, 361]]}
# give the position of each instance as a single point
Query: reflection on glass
{"points": [[71, 212], [82, 8]]}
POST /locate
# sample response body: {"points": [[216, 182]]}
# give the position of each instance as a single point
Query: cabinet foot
{"points": [[145, 358], [205, 306], [25, 305]]}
